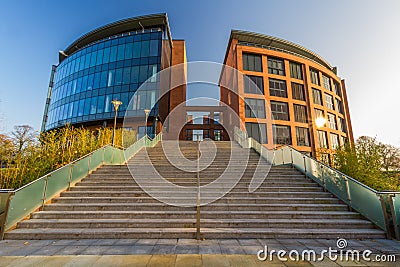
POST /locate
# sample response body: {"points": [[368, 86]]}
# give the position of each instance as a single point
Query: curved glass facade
{"points": [[88, 80]]}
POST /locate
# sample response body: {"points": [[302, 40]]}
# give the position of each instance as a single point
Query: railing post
{"points": [[283, 157], [3, 218], [348, 193], [90, 157], [44, 191], [305, 165], [323, 176], [389, 217], [70, 175], [198, 193], [291, 155]]}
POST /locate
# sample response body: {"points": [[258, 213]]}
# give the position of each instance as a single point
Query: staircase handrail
{"points": [[16, 204], [380, 207]]}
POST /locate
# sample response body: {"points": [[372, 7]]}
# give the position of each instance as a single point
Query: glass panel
{"points": [[396, 204], [25, 201], [57, 181], [367, 203], [80, 169], [335, 183], [287, 156], [298, 160], [278, 160], [313, 170], [96, 159]]}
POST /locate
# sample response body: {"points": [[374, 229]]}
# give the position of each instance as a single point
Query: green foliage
{"points": [[51, 150], [365, 161]]}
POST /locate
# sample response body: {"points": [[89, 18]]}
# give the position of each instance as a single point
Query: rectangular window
{"points": [[332, 121], [302, 136], [257, 131], [319, 113], [296, 71], [322, 139], [252, 62], [282, 135], [341, 125], [329, 102], [254, 108], [326, 82], [280, 111], [276, 66], [314, 76], [317, 96], [300, 113], [334, 141], [253, 84], [277, 88], [339, 106], [298, 92], [337, 88], [343, 140]]}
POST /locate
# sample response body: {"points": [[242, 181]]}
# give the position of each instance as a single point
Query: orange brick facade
{"points": [[234, 58]]}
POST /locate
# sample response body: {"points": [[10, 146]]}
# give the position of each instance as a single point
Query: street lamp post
{"points": [[116, 104]]}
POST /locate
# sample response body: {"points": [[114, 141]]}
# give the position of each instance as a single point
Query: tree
{"points": [[6, 149], [22, 136], [366, 160], [390, 157]]}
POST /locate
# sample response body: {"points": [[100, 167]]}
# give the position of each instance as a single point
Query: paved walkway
{"points": [[179, 252]]}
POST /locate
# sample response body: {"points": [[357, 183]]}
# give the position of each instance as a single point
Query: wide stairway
{"points": [[110, 203]]}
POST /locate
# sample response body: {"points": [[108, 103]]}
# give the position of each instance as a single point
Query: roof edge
{"points": [[263, 39]]}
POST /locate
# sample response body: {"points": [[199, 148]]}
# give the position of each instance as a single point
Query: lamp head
{"points": [[116, 104]]}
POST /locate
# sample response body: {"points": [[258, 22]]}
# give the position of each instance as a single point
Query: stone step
{"points": [[210, 207], [190, 194], [191, 223], [242, 184], [230, 200], [192, 214], [208, 233], [215, 187]]}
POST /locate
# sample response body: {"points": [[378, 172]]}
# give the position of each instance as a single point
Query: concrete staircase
{"points": [[109, 203]]}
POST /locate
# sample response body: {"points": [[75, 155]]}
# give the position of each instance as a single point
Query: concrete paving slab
{"points": [[71, 250], [188, 260], [210, 249], [187, 249], [82, 260], [163, 249], [210, 260], [162, 260]]}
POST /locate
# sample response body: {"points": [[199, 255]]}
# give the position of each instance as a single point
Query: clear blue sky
{"points": [[360, 37]]}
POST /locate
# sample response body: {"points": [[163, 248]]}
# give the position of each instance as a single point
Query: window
{"points": [[341, 125], [319, 113], [329, 102], [317, 96], [314, 75], [254, 108], [257, 131], [343, 140], [298, 92], [253, 84], [282, 135], [279, 111], [300, 113], [277, 88], [302, 136], [334, 141], [332, 121], [339, 106], [252, 62], [276, 66], [295, 71], [326, 82], [322, 140], [337, 88]]}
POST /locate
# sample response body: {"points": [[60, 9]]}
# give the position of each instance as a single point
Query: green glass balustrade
{"points": [[25, 200], [32, 196], [367, 202]]}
